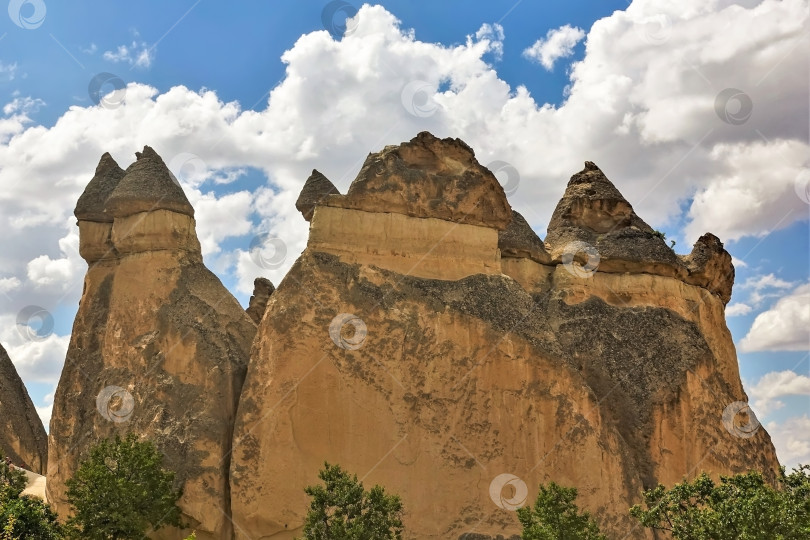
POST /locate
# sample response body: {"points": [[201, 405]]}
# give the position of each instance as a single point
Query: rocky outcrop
{"points": [[594, 222], [159, 347], [428, 177], [22, 437], [315, 189], [427, 340], [262, 289]]}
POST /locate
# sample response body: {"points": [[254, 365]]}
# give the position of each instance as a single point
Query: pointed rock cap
{"points": [[519, 240], [428, 177], [710, 267], [148, 185], [315, 189], [593, 211], [90, 206]]}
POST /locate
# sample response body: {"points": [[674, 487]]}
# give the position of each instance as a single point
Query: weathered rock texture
{"points": [[159, 346], [22, 436], [428, 341], [262, 290]]}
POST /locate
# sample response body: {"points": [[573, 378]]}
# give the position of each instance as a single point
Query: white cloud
{"points": [[558, 43], [9, 284], [640, 103], [765, 286], [137, 54], [8, 71], [784, 327], [737, 308], [771, 386], [792, 440]]}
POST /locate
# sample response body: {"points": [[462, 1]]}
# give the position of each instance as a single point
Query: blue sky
{"points": [[635, 88]]}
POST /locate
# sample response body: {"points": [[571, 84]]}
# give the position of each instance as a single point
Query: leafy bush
{"points": [[555, 516], [342, 510], [121, 491]]}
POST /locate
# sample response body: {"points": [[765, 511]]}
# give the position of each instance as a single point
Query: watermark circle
{"points": [[115, 404], [35, 323], [654, 29], [802, 185], [27, 14], [107, 90], [352, 342], [188, 167], [507, 175], [733, 106], [572, 249], [267, 251], [417, 98], [504, 500], [338, 18], [743, 430]]}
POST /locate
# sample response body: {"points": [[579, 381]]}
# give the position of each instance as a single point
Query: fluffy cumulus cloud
{"points": [[772, 386], [558, 43], [678, 113], [784, 327], [791, 441]]}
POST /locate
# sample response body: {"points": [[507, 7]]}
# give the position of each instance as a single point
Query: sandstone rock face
{"points": [[159, 347], [445, 352], [22, 436]]}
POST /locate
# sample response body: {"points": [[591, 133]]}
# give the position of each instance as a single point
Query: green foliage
{"points": [[555, 516], [12, 480], [740, 507], [22, 516], [29, 517], [342, 510], [122, 491]]}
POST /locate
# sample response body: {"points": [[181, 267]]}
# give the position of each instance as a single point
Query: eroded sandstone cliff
{"points": [[447, 353], [159, 346], [22, 436]]}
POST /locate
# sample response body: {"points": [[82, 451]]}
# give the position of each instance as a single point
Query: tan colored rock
{"points": [[424, 247], [159, 347], [262, 290], [428, 177], [432, 356], [710, 267], [95, 225], [22, 436]]}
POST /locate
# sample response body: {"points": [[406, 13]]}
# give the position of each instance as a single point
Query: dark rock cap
{"points": [[710, 266], [593, 211], [315, 189], [428, 177], [91, 203], [263, 289], [148, 185], [519, 240]]}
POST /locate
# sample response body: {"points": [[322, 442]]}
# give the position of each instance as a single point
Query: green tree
{"points": [[121, 491], [342, 510], [555, 516], [740, 507], [23, 516], [12, 480]]}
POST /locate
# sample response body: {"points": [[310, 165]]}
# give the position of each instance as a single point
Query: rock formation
{"points": [[22, 437], [159, 346], [427, 340], [262, 289]]}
